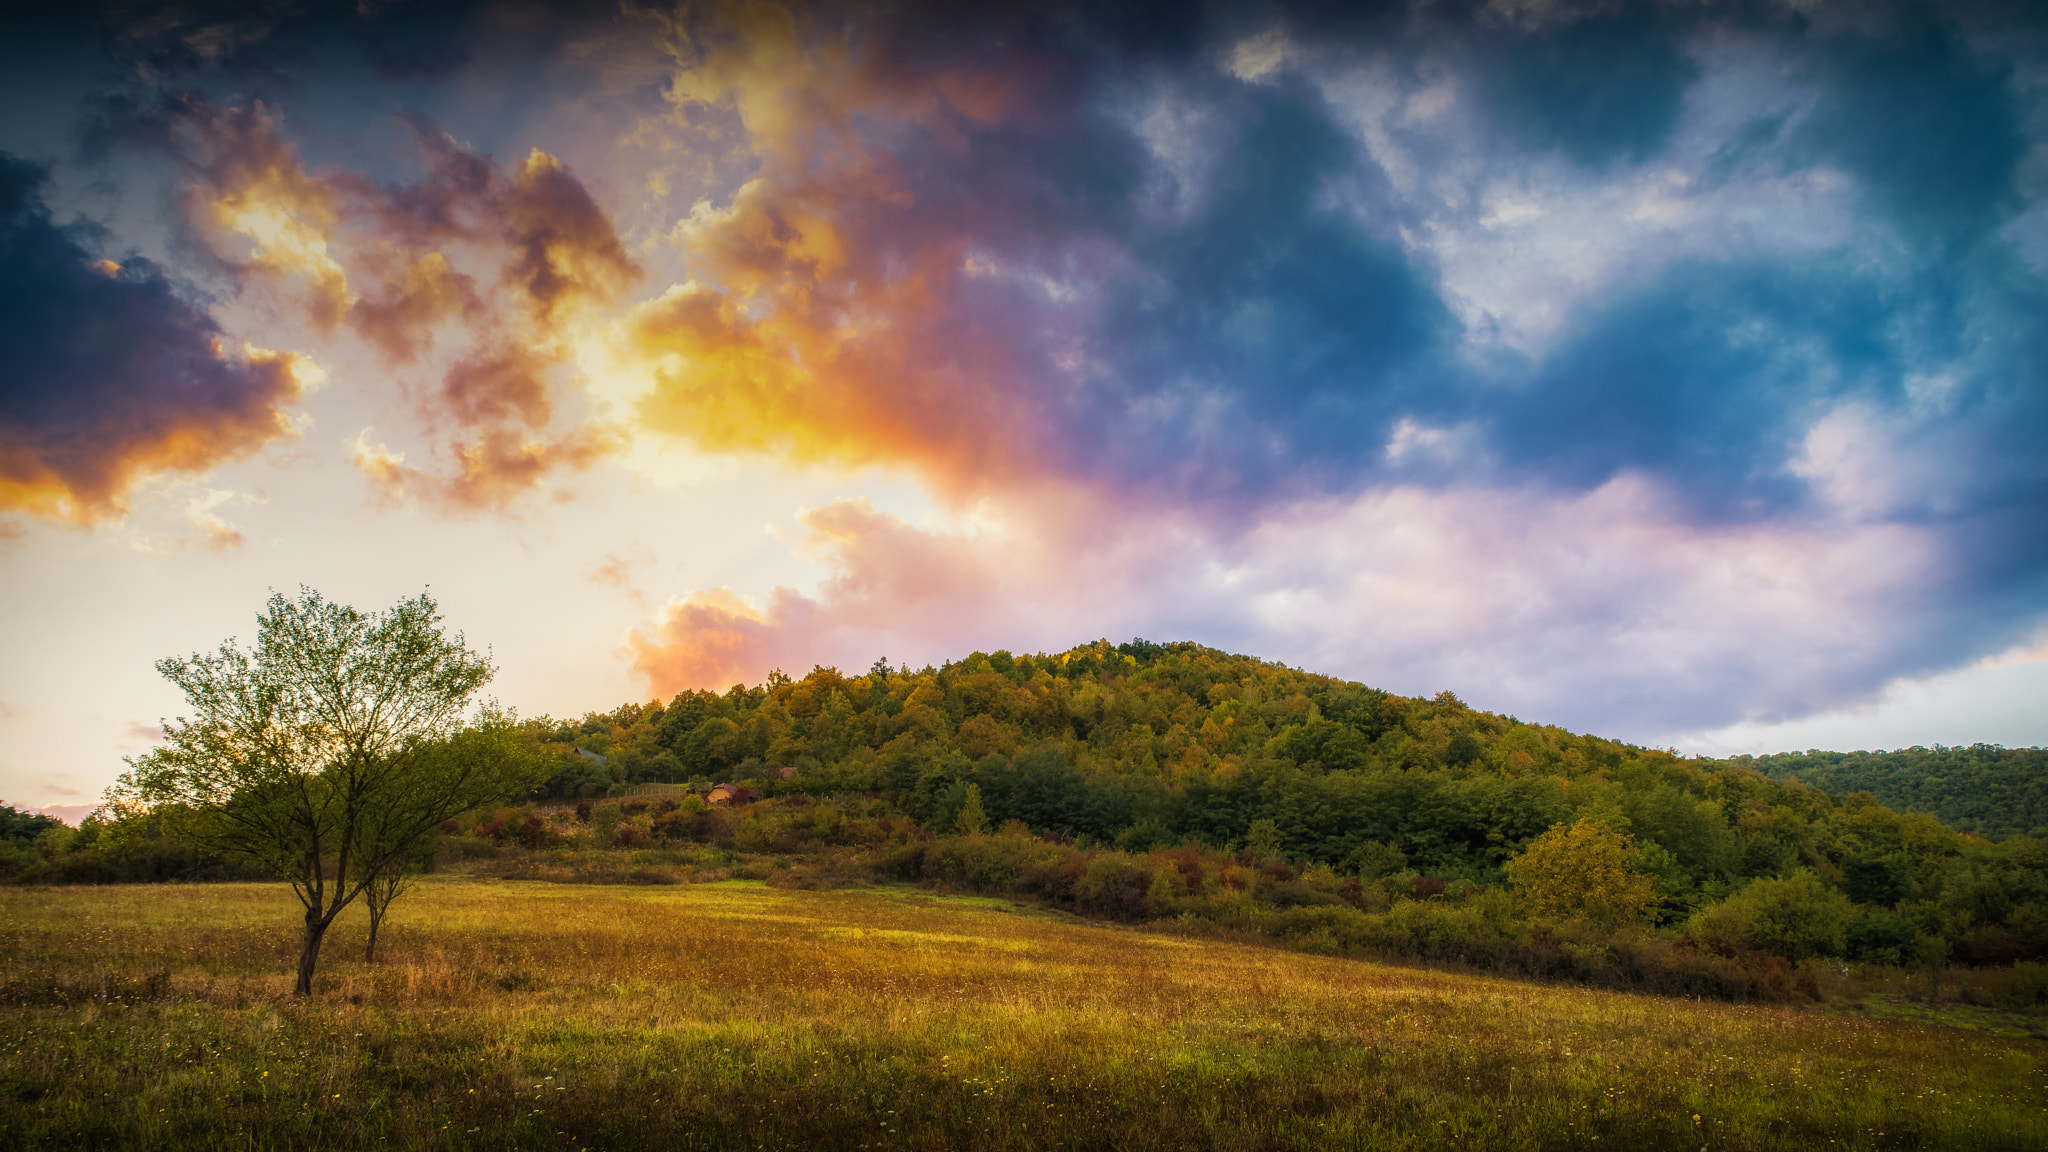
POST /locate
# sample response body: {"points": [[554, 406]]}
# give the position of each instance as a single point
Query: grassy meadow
{"points": [[732, 1015]]}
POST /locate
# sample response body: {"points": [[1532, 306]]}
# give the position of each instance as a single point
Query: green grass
{"points": [[528, 1015]]}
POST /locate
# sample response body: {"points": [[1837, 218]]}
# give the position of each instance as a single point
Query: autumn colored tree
{"points": [[1583, 872]]}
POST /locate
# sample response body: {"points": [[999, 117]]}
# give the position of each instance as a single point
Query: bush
{"points": [[1796, 917], [604, 820], [1881, 938], [1113, 885], [533, 832], [1295, 894], [2023, 987]]}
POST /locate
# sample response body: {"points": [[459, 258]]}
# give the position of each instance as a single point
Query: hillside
{"points": [[1983, 789], [1140, 746]]}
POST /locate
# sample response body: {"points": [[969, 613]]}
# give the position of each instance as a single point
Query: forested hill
{"points": [[1983, 789], [1143, 745]]}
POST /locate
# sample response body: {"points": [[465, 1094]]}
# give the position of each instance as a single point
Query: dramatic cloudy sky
{"points": [[1674, 371]]}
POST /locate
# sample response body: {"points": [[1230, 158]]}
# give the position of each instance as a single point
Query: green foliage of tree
{"points": [[1795, 917], [328, 751], [971, 820], [1585, 871], [1984, 789], [19, 827], [1372, 860]]}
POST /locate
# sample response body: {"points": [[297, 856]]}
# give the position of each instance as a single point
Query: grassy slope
{"points": [[555, 1016]]}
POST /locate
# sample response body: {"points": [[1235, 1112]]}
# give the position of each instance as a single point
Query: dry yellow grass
{"points": [[553, 1016]]}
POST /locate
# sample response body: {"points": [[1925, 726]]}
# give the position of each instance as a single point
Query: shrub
{"points": [[1275, 872], [1113, 885], [1295, 894], [2023, 987], [677, 824], [604, 820], [533, 832], [1796, 917], [1435, 931]]}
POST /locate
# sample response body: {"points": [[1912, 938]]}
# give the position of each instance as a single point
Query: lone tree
{"points": [[330, 752]]}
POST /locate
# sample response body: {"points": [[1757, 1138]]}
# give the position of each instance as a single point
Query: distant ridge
{"points": [[1984, 789]]}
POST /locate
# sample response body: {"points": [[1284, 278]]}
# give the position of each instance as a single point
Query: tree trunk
{"points": [[376, 918], [316, 928]]}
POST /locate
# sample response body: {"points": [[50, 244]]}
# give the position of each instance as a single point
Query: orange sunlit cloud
{"points": [[820, 325], [395, 265]]}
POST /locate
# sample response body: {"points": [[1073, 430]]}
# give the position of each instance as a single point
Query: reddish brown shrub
{"points": [[1188, 862], [533, 832], [1277, 872]]}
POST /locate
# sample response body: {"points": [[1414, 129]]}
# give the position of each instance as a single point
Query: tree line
{"points": [[337, 749], [1985, 789]]}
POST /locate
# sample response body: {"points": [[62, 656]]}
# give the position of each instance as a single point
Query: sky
{"points": [[1676, 372]]}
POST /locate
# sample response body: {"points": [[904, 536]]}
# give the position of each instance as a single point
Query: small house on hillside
{"points": [[731, 796]]}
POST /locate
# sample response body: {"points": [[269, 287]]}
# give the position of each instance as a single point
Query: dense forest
{"points": [[1152, 781], [1141, 746], [1983, 789]]}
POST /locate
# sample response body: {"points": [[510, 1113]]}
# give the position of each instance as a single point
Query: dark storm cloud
{"points": [[1276, 306], [110, 374], [1605, 89], [1930, 129]]}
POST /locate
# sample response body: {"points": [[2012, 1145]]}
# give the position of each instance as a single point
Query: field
{"points": [[532, 1015]]}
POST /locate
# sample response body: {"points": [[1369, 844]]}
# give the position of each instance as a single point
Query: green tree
{"points": [[474, 752], [326, 753], [971, 821], [1263, 838], [1583, 872], [1372, 860], [1796, 917]]}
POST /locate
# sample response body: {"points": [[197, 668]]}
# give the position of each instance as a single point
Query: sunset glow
{"points": [[1677, 372]]}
